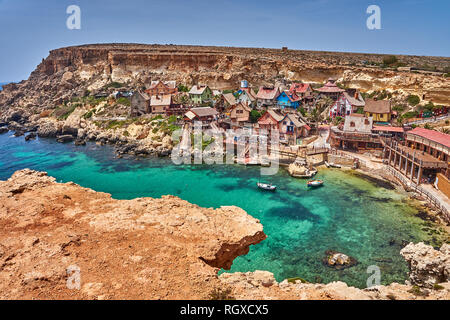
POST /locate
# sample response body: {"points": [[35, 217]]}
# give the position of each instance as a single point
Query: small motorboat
{"points": [[266, 186], [332, 165], [315, 183]]}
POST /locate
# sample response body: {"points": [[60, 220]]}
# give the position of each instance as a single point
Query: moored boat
{"points": [[266, 186], [315, 183]]}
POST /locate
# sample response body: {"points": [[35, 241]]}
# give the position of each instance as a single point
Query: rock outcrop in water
{"points": [[70, 71], [138, 249]]}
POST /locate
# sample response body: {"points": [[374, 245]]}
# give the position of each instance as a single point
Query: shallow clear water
{"points": [[349, 214]]}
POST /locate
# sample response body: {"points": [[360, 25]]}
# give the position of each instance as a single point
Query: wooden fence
{"points": [[418, 189]]}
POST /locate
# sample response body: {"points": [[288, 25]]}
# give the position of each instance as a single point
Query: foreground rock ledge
{"points": [[135, 249]]}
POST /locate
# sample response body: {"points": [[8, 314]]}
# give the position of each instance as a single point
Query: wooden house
{"points": [[330, 89], [200, 94], [247, 96], [270, 120], [240, 114], [267, 96], [140, 103], [162, 88], [226, 102], [160, 104], [346, 105], [292, 128], [204, 114], [379, 110], [302, 90], [288, 100]]}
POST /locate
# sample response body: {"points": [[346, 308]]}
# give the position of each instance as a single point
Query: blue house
{"points": [[286, 100]]}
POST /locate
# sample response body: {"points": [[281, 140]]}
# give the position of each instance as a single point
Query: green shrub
{"points": [[63, 112], [413, 100], [410, 114], [254, 116], [390, 60], [124, 101], [89, 114], [114, 85]]}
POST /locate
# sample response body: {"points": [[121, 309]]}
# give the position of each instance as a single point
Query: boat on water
{"points": [[332, 165], [315, 183], [266, 186]]}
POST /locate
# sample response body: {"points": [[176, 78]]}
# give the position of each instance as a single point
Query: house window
{"points": [[366, 122], [352, 124]]}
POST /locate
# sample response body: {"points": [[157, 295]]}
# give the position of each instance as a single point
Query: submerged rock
{"points": [[30, 136], [338, 260]]}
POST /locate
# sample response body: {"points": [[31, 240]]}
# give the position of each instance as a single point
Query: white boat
{"points": [[315, 183], [266, 186], [332, 165]]}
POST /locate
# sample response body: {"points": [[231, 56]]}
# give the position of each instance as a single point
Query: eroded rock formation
{"points": [[428, 266]]}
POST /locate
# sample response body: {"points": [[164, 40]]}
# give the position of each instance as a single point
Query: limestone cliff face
{"points": [[70, 71], [143, 248]]}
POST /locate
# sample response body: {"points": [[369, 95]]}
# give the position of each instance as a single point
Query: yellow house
{"points": [[379, 110]]}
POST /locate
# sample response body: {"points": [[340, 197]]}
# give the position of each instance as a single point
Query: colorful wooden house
{"points": [[270, 120], [247, 96], [330, 89], [140, 104], [302, 90], [162, 88], [160, 104], [346, 105], [288, 100], [240, 114], [226, 102], [379, 110], [200, 94], [292, 128], [267, 96]]}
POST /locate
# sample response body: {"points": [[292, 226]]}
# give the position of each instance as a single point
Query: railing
{"points": [[431, 119], [415, 157], [369, 137], [345, 155], [418, 189]]}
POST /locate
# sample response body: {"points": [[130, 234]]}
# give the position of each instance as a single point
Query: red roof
{"points": [[298, 88], [388, 129], [330, 87], [432, 135], [268, 93]]}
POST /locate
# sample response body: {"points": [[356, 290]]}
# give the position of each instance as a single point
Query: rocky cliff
{"points": [[70, 71], [62, 241]]}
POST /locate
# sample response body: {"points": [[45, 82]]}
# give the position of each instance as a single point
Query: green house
{"points": [[200, 94]]}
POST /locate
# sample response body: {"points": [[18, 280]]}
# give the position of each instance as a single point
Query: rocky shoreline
{"points": [[158, 249], [138, 138]]}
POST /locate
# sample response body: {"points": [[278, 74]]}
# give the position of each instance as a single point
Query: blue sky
{"points": [[30, 28]]}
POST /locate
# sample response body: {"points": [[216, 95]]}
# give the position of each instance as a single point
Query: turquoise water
{"points": [[349, 214]]}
